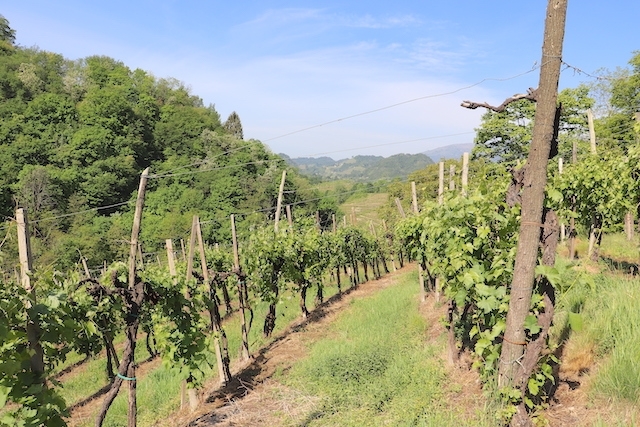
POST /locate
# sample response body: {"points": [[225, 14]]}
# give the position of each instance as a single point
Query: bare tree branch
{"points": [[530, 95]]}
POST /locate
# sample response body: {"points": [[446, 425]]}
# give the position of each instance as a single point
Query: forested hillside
{"points": [[76, 134], [361, 168]]}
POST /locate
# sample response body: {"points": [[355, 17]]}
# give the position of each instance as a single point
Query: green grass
{"points": [[376, 369], [366, 206], [608, 306]]}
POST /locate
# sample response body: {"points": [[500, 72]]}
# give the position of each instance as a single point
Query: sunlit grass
{"points": [[374, 368]]}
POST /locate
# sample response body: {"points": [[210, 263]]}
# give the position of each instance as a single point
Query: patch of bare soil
{"points": [[254, 398], [572, 405]]}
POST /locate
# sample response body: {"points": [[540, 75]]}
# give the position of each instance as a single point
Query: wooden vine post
{"points": [[242, 292], [279, 203], [134, 301], [511, 370], [289, 216], [414, 204], [400, 208], [171, 259], [440, 202], [33, 329], [592, 132], [465, 173], [452, 177]]}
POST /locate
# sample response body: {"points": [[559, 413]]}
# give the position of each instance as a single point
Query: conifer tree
{"points": [[233, 125]]}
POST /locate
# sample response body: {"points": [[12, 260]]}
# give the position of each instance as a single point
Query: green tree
{"points": [[505, 136], [233, 125], [7, 35]]}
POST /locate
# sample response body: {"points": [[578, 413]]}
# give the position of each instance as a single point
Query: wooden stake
{"points": [[135, 233], [192, 245], [333, 222], [465, 173], [223, 374], [33, 329], [289, 217], [400, 209], [452, 177], [171, 260], [87, 273], [441, 183], [279, 203], [592, 131], [184, 252], [414, 197]]}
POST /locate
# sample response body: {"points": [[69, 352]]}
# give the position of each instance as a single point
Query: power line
{"points": [[437, 95], [99, 208]]}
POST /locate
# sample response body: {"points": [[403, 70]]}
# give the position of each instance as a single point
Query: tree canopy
{"points": [[506, 136], [75, 136]]}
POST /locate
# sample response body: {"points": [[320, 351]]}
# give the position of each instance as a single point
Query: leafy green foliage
{"points": [[505, 136], [74, 135], [36, 402], [604, 189]]}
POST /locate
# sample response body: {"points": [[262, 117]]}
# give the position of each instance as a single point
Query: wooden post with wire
{"points": [[33, 329], [220, 340], [414, 203], [452, 177], [289, 216], [279, 203], [465, 173]]}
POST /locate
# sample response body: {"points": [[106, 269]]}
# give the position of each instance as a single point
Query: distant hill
{"points": [[361, 168], [454, 151]]}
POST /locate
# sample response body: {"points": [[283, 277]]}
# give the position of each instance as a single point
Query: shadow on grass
{"points": [[622, 266], [258, 370]]}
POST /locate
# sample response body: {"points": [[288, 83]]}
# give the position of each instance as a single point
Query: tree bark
{"points": [[533, 195]]}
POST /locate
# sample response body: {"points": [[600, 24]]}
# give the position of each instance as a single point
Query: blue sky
{"points": [[286, 66]]}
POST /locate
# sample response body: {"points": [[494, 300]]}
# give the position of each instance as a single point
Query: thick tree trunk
{"points": [[533, 195], [270, 318], [319, 294], [303, 301], [225, 296]]}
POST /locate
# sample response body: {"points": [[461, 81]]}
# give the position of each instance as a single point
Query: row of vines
{"points": [[179, 310], [468, 241]]}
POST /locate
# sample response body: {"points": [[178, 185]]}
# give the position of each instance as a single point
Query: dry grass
{"points": [[366, 207]]}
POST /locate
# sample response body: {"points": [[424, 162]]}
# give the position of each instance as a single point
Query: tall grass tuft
{"points": [[610, 330]]}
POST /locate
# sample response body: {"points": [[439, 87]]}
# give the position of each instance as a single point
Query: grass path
{"points": [[370, 357]]}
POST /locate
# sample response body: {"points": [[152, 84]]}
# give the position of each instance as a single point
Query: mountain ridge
{"points": [[368, 168]]}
